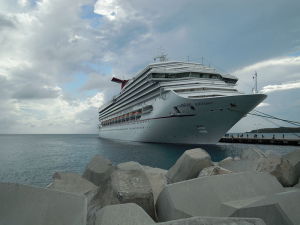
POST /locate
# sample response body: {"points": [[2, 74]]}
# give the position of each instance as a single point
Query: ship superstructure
{"points": [[175, 102]]}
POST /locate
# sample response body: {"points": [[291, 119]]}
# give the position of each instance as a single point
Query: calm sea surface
{"points": [[32, 159]]}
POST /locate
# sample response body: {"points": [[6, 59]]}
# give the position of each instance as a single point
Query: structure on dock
{"points": [[262, 138]]}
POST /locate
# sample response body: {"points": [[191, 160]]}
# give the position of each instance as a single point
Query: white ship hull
{"points": [[200, 121]]}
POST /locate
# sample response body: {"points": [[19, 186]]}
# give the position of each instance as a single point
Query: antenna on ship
{"points": [[254, 90], [161, 58]]}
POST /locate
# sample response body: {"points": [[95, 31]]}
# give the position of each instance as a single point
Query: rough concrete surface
{"points": [[123, 214], [157, 178], [298, 184], [188, 166], [294, 159], [204, 196], [279, 167], [247, 161], [215, 221], [213, 170], [130, 184], [277, 209], [98, 170], [73, 183], [25, 205]]}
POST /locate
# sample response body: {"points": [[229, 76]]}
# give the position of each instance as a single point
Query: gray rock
{"points": [[213, 170], [204, 196], [130, 184], [215, 221], [271, 213], [247, 162], [256, 160], [237, 158], [98, 170], [252, 154], [242, 165], [157, 178], [123, 214], [294, 159], [277, 209], [188, 166], [26, 205], [298, 184], [279, 167], [228, 159], [73, 183]]}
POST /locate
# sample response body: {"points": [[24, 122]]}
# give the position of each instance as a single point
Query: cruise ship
{"points": [[175, 102]]}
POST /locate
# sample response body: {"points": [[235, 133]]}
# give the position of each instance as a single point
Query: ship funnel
{"points": [[122, 82]]}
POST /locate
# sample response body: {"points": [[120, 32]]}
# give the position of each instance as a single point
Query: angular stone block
{"points": [[204, 196], [215, 221], [279, 167], [26, 205], [213, 170], [271, 213], [188, 166], [123, 214], [252, 154], [294, 159], [247, 161], [298, 184], [129, 184], [98, 170], [157, 178], [73, 183], [277, 209]]}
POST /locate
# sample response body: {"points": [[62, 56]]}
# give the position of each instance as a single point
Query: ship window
{"points": [[147, 109], [158, 75], [231, 81], [170, 75], [197, 75]]}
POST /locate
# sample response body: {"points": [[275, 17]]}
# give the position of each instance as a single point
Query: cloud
{"points": [[53, 115], [48, 44], [276, 71], [279, 79], [134, 30], [109, 9], [281, 87], [5, 22], [37, 92]]}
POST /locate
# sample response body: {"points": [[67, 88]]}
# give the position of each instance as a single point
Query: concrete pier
{"points": [[262, 138]]}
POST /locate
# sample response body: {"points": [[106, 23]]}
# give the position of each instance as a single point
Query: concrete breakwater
{"points": [[252, 188]]}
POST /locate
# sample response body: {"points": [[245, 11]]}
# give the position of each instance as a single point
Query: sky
{"points": [[57, 56]]}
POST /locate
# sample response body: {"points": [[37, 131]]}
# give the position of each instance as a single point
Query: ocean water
{"points": [[33, 159]]}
